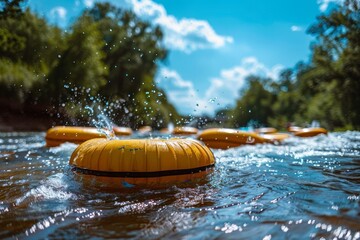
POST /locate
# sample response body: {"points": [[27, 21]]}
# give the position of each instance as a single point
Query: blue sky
{"points": [[214, 45]]}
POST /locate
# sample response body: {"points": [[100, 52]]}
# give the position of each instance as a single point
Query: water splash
{"points": [[104, 125], [83, 108], [302, 187], [192, 123], [170, 127], [91, 111], [315, 124], [54, 187]]}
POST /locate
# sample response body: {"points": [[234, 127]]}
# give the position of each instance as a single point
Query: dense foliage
{"points": [[326, 89], [106, 61]]}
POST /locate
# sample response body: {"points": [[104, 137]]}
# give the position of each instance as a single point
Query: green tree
{"points": [[28, 49], [80, 65], [16, 80], [287, 100], [336, 61], [39, 43], [325, 89], [10, 44], [255, 104], [150, 107], [10, 8], [132, 49], [109, 55]]}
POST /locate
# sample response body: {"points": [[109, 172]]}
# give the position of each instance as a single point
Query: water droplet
{"points": [[250, 140], [212, 100]]}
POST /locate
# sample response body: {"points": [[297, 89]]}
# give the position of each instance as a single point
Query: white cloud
{"points": [[58, 12], [296, 28], [89, 3], [181, 92], [189, 35], [226, 87], [223, 90], [184, 34], [57, 15], [324, 4]]}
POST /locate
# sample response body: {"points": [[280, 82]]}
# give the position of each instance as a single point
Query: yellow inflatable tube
{"points": [[266, 130], [293, 129], [61, 134], [122, 131], [145, 129], [140, 161], [185, 131], [275, 137], [224, 138], [310, 132]]}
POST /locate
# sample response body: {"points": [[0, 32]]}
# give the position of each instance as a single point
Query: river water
{"points": [[302, 189]]}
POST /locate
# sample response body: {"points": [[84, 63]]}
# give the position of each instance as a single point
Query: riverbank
{"points": [[12, 121]]}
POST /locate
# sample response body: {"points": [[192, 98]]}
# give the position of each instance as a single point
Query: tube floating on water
{"points": [[142, 160], [61, 134], [310, 132], [275, 137], [145, 129], [122, 131], [185, 131], [266, 130], [164, 131], [293, 129], [224, 138]]}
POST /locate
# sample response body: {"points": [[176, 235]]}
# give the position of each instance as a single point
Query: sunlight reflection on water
{"points": [[303, 188]]}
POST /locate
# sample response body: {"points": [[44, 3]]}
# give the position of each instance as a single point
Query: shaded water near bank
{"points": [[301, 189]]}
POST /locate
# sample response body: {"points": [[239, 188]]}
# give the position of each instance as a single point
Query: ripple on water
{"points": [[303, 188], [54, 187]]}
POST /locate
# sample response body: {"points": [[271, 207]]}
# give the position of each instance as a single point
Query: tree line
{"points": [[106, 60], [326, 89]]}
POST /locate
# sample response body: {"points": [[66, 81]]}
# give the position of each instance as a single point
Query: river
{"points": [[304, 188]]}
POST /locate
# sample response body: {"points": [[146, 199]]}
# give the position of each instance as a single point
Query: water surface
{"points": [[301, 189]]}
